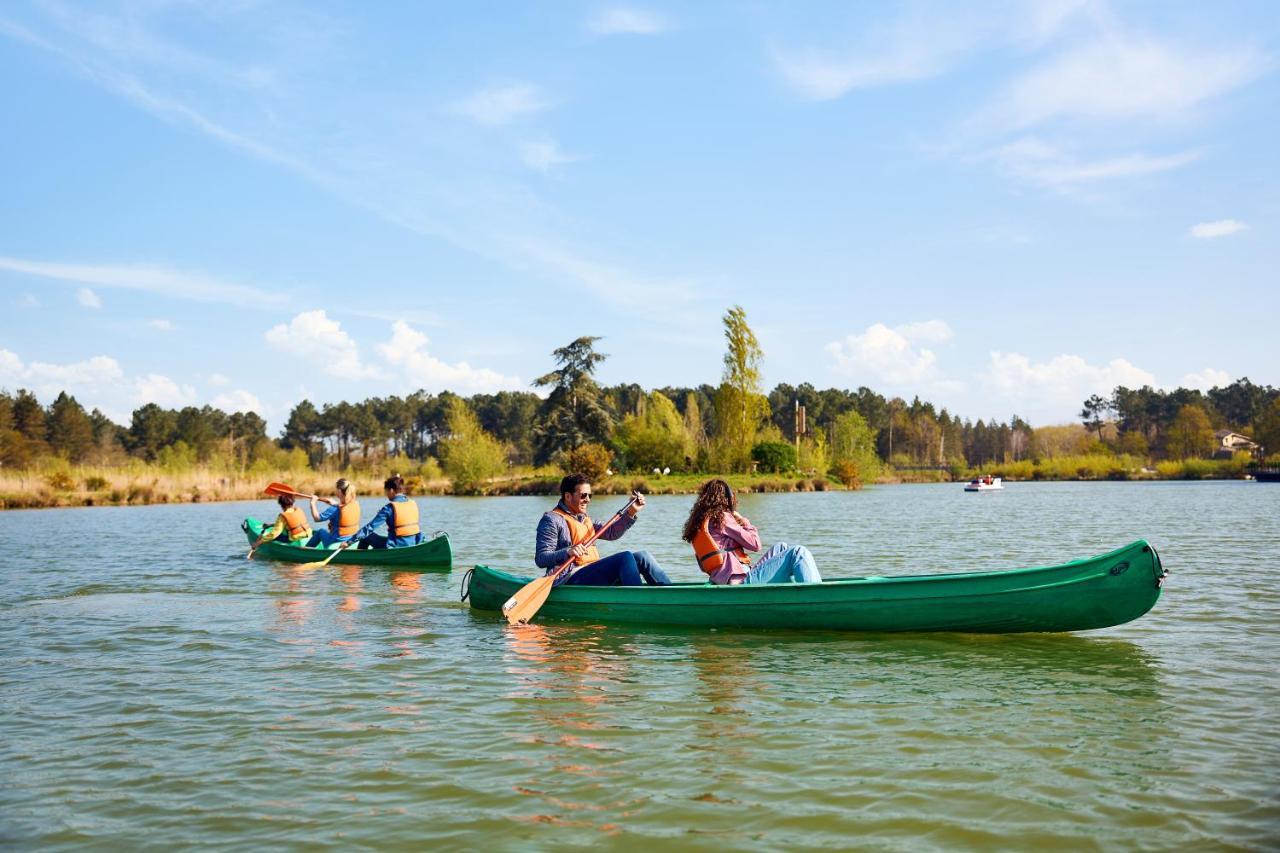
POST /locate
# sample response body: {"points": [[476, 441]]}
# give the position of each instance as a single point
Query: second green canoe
{"points": [[435, 553], [1098, 592]]}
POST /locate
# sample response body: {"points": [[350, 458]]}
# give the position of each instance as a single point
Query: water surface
{"points": [[157, 689]]}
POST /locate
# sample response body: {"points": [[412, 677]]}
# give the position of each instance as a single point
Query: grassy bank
{"points": [[140, 484]]}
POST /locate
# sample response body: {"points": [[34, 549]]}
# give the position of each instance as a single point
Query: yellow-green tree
{"points": [[852, 446], [741, 406], [471, 456], [655, 437], [1190, 435]]}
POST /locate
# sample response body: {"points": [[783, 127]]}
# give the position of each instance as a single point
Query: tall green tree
{"points": [[29, 416], [740, 404], [1190, 436], [470, 456], [573, 413], [853, 442], [151, 429], [1094, 413], [70, 430]]}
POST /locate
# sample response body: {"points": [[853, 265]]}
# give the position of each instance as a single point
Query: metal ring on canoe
{"points": [[465, 591]]}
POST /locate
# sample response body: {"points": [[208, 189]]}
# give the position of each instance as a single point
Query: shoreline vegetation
{"points": [[141, 484], [661, 441]]}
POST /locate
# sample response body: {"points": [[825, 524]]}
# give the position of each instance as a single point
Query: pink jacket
{"points": [[728, 534]]}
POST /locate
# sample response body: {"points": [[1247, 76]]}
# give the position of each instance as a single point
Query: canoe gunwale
{"points": [[436, 552]]}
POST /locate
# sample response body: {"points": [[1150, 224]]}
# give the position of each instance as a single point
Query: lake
{"points": [[157, 689]]}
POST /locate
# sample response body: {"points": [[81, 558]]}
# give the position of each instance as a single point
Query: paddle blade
{"points": [[527, 601], [278, 489]]}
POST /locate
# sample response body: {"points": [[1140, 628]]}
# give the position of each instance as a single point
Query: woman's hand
{"points": [[739, 517]]}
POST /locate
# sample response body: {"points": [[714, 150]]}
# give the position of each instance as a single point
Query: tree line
{"points": [[576, 422]]}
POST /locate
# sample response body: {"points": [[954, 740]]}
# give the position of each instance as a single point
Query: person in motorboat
{"points": [[400, 515], [290, 527], [343, 517], [564, 531], [721, 538]]}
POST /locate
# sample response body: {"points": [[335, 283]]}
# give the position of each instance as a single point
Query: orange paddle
{"points": [[522, 606], [282, 489], [320, 564]]}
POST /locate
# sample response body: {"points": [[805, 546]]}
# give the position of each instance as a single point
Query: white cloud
{"points": [[312, 335], [824, 76], [29, 300], [1119, 76], [163, 391], [1220, 228], [162, 325], [47, 378], [1042, 163], [218, 379], [1205, 379], [407, 351], [622, 21], [238, 400], [150, 279], [87, 298], [891, 356], [1053, 390], [544, 155], [504, 104]]}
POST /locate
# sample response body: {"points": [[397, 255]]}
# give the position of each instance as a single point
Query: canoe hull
{"points": [[1098, 592], [436, 553]]}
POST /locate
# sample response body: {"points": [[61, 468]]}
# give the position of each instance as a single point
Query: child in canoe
{"points": [[400, 515], [290, 527], [343, 517], [721, 537]]}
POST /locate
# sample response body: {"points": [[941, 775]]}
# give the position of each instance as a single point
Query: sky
{"points": [[1000, 207]]}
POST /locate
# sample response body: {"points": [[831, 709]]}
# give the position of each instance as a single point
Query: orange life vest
{"points": [[404, 519], [711, 557], [348, 519], [580, 532], [295, 523]]}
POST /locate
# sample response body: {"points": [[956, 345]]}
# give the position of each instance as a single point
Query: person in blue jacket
{"points": [[400, 516]]}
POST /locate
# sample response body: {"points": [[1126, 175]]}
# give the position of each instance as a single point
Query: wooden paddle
{"points": [[281, 489], [320, 564], [528, 600]]}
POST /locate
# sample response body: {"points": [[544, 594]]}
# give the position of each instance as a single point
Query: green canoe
{"points": [[1096, 592], [435, 553]]}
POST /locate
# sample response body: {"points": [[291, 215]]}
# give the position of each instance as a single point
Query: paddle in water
{"points": [[320, 564], [522, 606]]}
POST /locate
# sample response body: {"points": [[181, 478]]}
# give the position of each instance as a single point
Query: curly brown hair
{"points": [[714, 499]]}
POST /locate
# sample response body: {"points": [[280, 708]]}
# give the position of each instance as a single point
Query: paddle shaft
{"points": [[522, 606]]}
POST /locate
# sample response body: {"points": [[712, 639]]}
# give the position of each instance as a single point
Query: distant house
{"points": [[1229, 442]]}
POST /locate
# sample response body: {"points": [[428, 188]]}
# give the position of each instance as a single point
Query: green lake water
{"points": [[158, 690]]}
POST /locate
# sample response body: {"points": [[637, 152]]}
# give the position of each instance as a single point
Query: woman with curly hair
{"points": [[721, 537]]}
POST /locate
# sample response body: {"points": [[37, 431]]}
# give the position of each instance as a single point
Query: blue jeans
{"points": [[324, 539], [626, 568], [785, 563]]}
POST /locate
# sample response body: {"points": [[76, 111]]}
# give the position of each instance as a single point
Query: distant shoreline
{"points": [[61, 490]]}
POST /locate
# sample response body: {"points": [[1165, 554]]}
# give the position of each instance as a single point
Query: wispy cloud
{"points": [[88, 299], [159, 280], [1042, 163], [504, 104], [1218, 228], [162, 325], [163, 391], [544, 155], [1122, 77], [624, 21], [239, 400]]}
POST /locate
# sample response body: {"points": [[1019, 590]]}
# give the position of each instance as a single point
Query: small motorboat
{"points": [[983, 484]]}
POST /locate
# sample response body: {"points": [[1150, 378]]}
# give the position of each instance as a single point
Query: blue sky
{"points": [[1000, 207]]}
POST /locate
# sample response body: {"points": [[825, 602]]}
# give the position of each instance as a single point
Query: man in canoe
{"points": [[721, 537], [290, 527], [343, 517], [400, 516], [564, 531]]}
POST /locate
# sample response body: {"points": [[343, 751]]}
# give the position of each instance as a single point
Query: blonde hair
{"points": [[345, 489]]}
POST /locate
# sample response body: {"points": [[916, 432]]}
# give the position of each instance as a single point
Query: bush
{"points": [[472, 457], [846, 472], [820, 484], [60, 481], [774, 457], [95, 484], [590, 460]]}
